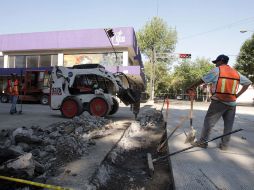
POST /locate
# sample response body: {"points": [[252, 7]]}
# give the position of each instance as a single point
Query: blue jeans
{"points": [[217, 110], [14, 100]]}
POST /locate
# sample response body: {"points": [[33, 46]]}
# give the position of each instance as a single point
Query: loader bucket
{"points": [[128, 96]]}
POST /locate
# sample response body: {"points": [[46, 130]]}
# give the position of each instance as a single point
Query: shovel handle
{"points": [[191, 111], [179, 151]]}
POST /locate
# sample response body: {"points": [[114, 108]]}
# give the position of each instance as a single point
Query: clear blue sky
{"points": [[193, 19]]}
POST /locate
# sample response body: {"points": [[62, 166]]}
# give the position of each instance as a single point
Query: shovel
{"points": [[162, 145], [191, 135]]}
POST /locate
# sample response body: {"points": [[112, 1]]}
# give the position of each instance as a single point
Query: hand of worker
{"points": [[191, 92]]}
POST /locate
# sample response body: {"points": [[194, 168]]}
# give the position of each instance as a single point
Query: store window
{"points": [[1, 62], [54, 59], [20, 61], [11, 62], [32, 61], [45, 60], [105, 59]]}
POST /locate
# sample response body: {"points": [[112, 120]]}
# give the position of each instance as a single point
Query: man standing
{"points": [[225, 82], [12, 88]]}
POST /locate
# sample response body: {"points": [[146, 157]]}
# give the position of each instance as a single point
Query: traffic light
{"points": [[184, 55], [110, 32]]}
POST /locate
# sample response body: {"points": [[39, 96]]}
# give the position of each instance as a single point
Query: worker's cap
{"points": [[222, 58]]}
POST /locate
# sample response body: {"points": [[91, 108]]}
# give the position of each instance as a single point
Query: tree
{"points": [[245, 59], [188, 72], [156, 39], [162, 77]]}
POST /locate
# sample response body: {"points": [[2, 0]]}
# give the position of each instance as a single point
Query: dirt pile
{"points": [[35, 153]]}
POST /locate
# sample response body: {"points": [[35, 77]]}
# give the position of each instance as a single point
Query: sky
{"points": [[205, 28]]}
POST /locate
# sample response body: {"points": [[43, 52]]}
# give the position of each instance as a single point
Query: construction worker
{"points": [[225, 81], [13, 91]]}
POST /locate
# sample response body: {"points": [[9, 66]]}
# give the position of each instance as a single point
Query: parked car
{"points": [[179, 97]]}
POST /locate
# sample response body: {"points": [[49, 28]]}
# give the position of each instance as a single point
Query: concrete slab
{"points": [[212, 168]]}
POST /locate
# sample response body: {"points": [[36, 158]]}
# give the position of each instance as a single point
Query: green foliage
{"points": [[162, 77], [156, 35], [188, 73], [245, 59], [156, 40]]}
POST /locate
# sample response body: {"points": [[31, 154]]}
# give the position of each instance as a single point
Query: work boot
{"points": [[200, 144], [222, 146]]}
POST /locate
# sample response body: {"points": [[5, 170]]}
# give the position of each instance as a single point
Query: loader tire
{"points": [[115, 107], [71, 107], [44, 100], [98, 107], [5, 98]]}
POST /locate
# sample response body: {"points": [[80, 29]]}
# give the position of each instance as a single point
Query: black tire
{"points": [[44, 100], [71, 107], [5, 98], [115, 106]]}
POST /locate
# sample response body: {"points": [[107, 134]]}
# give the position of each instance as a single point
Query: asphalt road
{"points": [[42, 115]]}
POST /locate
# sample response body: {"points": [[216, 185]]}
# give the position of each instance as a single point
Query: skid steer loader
{"points": [[91, 88]]}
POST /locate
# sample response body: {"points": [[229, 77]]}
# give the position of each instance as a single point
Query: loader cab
{"points": [[88, 83]]}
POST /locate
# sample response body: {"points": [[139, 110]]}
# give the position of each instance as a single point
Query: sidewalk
{"points": [[212, 168]]}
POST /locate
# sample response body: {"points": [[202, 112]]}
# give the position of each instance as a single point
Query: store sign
{"points": [[118, 38]]}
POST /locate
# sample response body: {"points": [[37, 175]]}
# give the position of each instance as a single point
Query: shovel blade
{"points": [[191, 136]]}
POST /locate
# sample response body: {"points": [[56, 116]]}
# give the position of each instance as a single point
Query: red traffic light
{"points": [[184, 55]]}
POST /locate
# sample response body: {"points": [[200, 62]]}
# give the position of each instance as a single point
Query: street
{"points": [[42, 115]]}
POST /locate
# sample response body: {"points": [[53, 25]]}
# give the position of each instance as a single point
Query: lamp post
{"points": [[243, 31]]}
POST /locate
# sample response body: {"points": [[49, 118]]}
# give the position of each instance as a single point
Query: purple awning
{"points": [[70, 39]]}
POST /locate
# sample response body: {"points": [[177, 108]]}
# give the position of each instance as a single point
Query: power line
{"points": [[157, 7], [246, 20]]}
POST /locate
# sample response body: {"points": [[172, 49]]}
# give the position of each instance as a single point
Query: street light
{"points": [[243, 31]]}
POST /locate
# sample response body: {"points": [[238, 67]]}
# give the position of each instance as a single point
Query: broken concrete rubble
{"points": [[23, 166], [35, 153], [66, 141]]}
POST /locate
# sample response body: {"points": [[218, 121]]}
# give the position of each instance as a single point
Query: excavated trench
{"points": [[126, 168]]}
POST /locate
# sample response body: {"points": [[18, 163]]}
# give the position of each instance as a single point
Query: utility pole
{"points": [[153, 74]]}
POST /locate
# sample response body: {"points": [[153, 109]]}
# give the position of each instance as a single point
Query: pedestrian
{"points": [[13, 91], [225, 81]]}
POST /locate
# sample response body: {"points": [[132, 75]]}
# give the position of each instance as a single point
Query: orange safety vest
{"points": [[227, 84], [12, 89]]}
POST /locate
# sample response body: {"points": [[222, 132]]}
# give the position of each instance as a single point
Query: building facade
{"points": [[72, 47]]}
